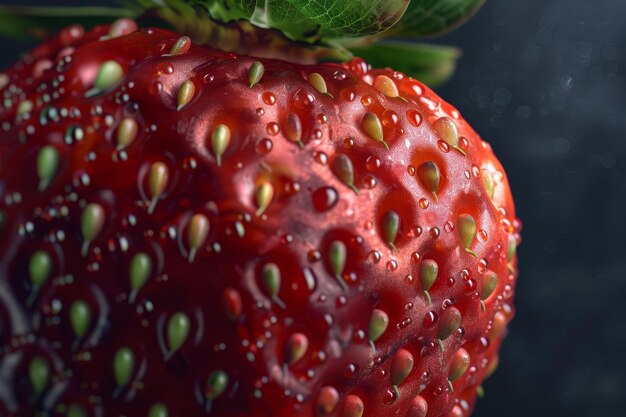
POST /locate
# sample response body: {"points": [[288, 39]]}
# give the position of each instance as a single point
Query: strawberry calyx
{"points": [[298, 31]]}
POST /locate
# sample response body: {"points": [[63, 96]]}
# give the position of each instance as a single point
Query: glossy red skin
{"points": [[291, 233]]}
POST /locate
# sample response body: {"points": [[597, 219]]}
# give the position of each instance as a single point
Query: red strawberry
{"points": [[188, 232]]}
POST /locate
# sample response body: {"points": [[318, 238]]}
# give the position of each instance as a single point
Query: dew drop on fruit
{"points": [[348, 143], [390, 118], [325, 198], [414, 117], [423, 203], [264, 146], [449, 226], [450, 282], [303, 99], [434, 232], [314, 256], [260, 112], [392, 265], [320, 157], [351, 370], [322, 118], [369, 182], [410, 169], [269, 98], [481, 235], [415, 257], [208, 78], [464, 143], [372, 163], [366, 100], [430, 319], [339, 75], [482, 265], [347, 94], [389, 397], [443, 146], [374, 256], [165, 68], [273, 128], [155, 87]]}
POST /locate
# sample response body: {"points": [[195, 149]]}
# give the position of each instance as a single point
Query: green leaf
{"points": [[300, 19], [26, 22], [434, 17], [431, 64]]}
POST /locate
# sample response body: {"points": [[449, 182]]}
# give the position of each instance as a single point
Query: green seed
{"points": [[185, 93], [391, 223], [47, 165], [92, 222], [488, 182], [467, 231], [177, 331], [344, 171], [80, 317], [255, 73], [196, 234], [123, 366], [39, 268], [140, 270], [450, 321], [297, 346], [374, 128], [271, 279], [39, 374], [216, 385], [293, 129], [220, 139], [109, 75], [181, 46], [490, 282], [158, 410], [337, 254], [459, 364], [75, 411], [126, 132], [378, 324], [264, 196], [429, 269], [401, 366], [430, 177]]}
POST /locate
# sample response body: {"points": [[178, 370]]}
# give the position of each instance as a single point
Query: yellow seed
{"points": [[374, 128], [185, 93], [264, 196]]}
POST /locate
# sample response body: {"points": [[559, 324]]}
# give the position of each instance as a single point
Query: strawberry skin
{"points": [[186, 232]]}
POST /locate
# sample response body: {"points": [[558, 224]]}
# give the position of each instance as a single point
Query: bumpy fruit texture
{"points": [[185, 232]]}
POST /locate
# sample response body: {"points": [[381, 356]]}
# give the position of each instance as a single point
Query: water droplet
{"points": [[430, 319], [269, 98], [264, 146], [389, 397], [423, 203], [273, 128], [374, 256], [390, 118], [414, 117], [320, 157], [482, 235], [392, 265], [410, 169], [366, 100], [372, 163], [449, 226], [434, 232], [369, 182], [339, 75], [443, 146], [347, 94], [303, 98], [325, 198]]}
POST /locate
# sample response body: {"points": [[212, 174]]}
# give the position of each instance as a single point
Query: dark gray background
{"points": [[543, 82]]}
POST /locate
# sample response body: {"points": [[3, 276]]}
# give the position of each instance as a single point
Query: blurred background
{"points": [[544, 82]]}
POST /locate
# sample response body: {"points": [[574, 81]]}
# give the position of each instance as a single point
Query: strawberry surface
{"points": [[187, 232]]}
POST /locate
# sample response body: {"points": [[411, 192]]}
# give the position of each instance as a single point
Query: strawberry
{"points": [[188, 232]]}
